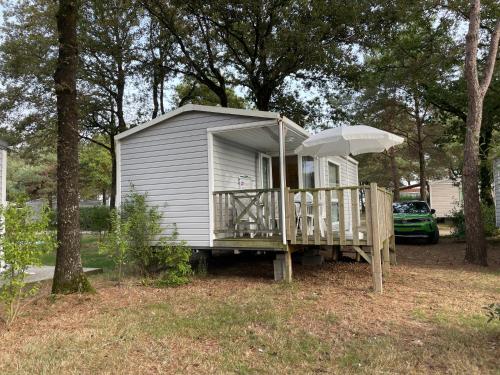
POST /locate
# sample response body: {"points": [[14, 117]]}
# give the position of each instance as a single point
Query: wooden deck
{"points": [[273, 243], [276, 242], [359, 217]]}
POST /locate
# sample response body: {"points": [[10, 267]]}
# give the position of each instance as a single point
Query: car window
{"points": [[410, 208]]}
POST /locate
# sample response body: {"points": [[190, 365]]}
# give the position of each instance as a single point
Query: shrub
{"points": [[144, 229], [95, 219], [116, 244], [173, 257], [458, 221], [136, 237], [405, 197], [24, 240], [489, 220]]}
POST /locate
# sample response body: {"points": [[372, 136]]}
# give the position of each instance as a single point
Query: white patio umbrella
{"points": [[346, 140]]}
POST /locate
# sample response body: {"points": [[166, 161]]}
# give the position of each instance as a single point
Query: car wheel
{"points": [[434, 237]]}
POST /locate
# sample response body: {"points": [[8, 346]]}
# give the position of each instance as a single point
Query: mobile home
{"points": [[230, 179], [445, 196]]}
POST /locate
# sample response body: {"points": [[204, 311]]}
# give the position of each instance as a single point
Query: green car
{"points": [[414, 219]]}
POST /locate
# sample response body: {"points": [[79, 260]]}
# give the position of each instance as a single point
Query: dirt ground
{"points": [[430, 319]]}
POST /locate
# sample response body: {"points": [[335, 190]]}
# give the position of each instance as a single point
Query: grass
{"points": [[235, 320], [90, 255]]}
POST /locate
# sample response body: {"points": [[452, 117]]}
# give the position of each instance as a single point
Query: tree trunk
{"points": [[104, 197], [120, 91], [221, 93], [419, 121], [68, 275], [262, 99], [162, 94], [485, 170], [395, 174], [155, 94], [474, 230], [422, 167], [476, 250], [112, 196]]}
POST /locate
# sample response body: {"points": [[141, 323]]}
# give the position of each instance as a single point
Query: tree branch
{"points": [[491, 59], [96, 142], [471, 41]]}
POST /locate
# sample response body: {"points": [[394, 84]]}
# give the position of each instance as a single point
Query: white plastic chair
{"points": [[309, 212]]}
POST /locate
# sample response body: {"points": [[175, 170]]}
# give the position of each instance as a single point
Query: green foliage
{"points": [[116, 242], [488, 213], [136, 237], [173, 256], [458, 221], [191, 92], [95, 169], [405, 198], [26, 238], [95, 219], [144, 222], [493, 311], [31, 178]]}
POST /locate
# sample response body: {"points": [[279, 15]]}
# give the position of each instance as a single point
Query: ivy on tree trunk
{"points": [[68, 275]]}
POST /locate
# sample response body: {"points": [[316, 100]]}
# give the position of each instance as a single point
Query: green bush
{"points": [[405, 198], [144, 228], [136, 237], [116, 243], [173, 257], [489, 220], [458, 221], [25, 238], [95, 219]]}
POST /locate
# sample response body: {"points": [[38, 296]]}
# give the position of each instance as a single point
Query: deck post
{"points": [[282, 181], [283, 266], [288, 266], [386, 258], [376, 256]]}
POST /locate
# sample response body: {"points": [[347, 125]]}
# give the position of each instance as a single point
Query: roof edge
{"points": [[197, 108]]}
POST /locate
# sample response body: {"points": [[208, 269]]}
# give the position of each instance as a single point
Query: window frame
{"points": [[339, 171], [263, 156], [301, 170]]}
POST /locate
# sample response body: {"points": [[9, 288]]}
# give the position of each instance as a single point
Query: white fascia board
{"points": [[198, 108], [210, 140], [118, 156], [351, 159], [293, 126], [248, 125]]}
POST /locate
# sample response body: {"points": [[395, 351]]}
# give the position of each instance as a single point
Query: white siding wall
{"points": [[496, 171], [169, 161], [444, 197], [231, 161], [3, 176], [348, 177]]}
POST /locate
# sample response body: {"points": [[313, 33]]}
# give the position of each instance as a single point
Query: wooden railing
{"points": [[350, 215], [328, 216], [356, 216], [247, 213]]}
